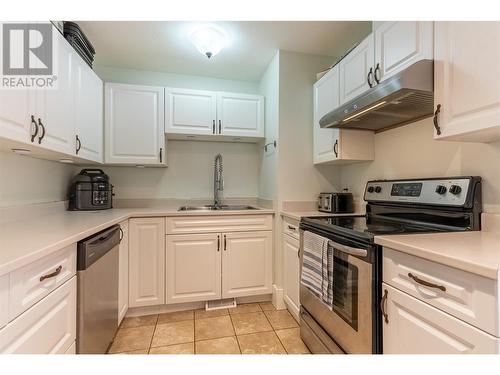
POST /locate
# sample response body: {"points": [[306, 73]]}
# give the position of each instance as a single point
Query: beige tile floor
{"points": [[252, 328]]}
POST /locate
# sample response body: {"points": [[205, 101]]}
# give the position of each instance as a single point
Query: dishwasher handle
{"points": [[95, 247]]}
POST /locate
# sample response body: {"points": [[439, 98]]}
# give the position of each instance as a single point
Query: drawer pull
{"points": [[382, 306], [426, 283], [53, 274], [292, 228]]}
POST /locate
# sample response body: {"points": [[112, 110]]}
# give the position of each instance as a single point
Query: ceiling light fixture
{"points": [[208, 40]]}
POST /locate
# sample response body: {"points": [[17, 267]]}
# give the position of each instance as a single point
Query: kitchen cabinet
{"points": [[4, 299], [356, 70], [47, 121], [467, 81], [213, 116], [414, 327], [123, 272], [240, 115], [399, 44], [193, 267], [89, 122], [192, 112], [48, 327], [246, 264], [291, 266], [146, 261], [336, 145], [134, 125]]}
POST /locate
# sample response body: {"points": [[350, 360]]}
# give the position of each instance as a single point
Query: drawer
{"points": [[4, 300], [27, 288], [291, 227], [47, 327], [216, 224], [467, 296], [415, 327]]}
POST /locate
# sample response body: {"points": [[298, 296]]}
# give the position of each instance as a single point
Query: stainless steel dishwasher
{"points": [[97, 307]]}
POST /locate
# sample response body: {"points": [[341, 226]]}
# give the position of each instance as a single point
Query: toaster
{"points": [[336, 203], [90, 190]]}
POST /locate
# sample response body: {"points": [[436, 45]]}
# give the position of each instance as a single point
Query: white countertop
{"points": [[27, 240], [475, 252], [297, 215]]}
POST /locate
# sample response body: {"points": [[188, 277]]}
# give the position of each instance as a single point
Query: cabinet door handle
{"points": [[43, 131], [33, 122], [78, 144], [121, 235], [418, 280], [161, 155], [213, 126], [377, 68], [382, 306], [225, 244], [336, 148], [435, 119], [220, 126], [218, 243], [370, 73], [53, 274], [292, 228]]}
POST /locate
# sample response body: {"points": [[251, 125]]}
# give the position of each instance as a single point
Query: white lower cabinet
{"points": [[47, 327], [414, 327], [71, 349], [291, 273], [4, 300], [193, 267], [146, 261], [123, 273], [246, 264]]}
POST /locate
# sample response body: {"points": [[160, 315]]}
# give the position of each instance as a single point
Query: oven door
{"points": [[349, 323]]}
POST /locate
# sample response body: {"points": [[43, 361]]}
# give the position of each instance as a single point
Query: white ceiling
{"points": [[165, 46]]}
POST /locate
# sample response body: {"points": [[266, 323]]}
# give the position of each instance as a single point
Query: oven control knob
{"points": [[441, 189], [370, 189], [455, 189], [378, 189]]}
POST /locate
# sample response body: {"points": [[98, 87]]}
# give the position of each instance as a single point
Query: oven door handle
{"points": [[348, 249]]}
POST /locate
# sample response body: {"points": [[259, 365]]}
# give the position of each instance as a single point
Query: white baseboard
{"points": [[278, 301]]}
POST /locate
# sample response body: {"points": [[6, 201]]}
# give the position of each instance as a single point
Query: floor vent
{"points": [[220, 304]]}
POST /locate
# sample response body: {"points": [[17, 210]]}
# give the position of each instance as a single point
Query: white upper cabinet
{"points": [[134, 125], [336, 145], [55, 107], [467, 81], [240, 115], [399, 44], [89, 113], [210, 115], [190, 111], [356, 70], [15, 115]]}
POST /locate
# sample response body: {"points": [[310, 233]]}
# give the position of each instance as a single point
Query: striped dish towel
{"points": [[315, 251], [328, 277]]}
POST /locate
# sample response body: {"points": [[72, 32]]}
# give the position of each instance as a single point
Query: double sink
{"points": [[223, 207]]}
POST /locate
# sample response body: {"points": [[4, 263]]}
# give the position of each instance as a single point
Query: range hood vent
{"points": [[403, 98]]}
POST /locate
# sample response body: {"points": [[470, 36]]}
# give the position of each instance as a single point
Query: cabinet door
{"points": [[415, 327], [55, 108], [399, 44], [146, 262], [88, 110], [246, 264], [193, 267], [190, 112], [123, 273], [240, 115], [4, 299], [354, 69], [326, 98], [48, 327], [15, 115], [134, 124], [291, 273], [467, 80]]}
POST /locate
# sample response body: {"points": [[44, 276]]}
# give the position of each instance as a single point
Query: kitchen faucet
{"points": [[218, 180]]}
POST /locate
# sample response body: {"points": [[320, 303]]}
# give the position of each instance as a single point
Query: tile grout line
{"points": [[235, 335], [154, 331]]}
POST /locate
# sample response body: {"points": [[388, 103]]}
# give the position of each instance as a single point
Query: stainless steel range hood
{"points": [[402, 98]]}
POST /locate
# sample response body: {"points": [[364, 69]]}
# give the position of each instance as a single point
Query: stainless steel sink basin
{"points": [[211, 207]]}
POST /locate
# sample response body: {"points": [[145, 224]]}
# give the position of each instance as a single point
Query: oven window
{"points": [[345, 290]]}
